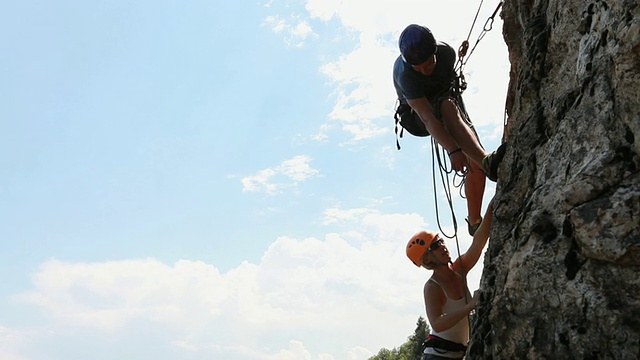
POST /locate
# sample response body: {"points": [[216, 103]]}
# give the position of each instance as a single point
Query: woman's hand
{"points": [[474, 300]]}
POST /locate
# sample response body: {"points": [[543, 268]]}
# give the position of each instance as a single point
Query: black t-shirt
{"points": [[411, 84]]}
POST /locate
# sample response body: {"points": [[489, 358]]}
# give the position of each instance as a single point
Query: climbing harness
{"points": [[444, 344]]}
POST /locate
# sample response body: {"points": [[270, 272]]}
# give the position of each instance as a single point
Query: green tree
{"points": [[411, 349], [386, 354], [418, 337]]}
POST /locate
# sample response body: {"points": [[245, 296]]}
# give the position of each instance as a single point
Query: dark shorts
{"points": [[410, 120], [436, 103]]}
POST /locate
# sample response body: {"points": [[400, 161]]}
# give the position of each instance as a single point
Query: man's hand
{"points": [[459, 161]]}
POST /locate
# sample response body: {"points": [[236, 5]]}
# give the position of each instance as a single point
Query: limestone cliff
{"points": [[562, 270]]}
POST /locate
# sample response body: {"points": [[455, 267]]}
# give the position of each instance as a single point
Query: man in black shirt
{"points": [[423, 76]]}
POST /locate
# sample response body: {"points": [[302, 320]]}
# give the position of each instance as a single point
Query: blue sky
{"points": [[205, 179]]}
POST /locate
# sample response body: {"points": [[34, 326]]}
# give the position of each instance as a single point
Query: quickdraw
{"points": [[464, 47]]}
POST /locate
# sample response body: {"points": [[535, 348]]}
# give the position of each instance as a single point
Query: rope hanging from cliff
{"points": [[459, 87], [438, 153]]}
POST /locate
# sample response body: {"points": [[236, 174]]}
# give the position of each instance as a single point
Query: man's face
{"points": [[427, 67]]}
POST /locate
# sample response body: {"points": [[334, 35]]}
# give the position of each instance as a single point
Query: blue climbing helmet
{"points": [[417, 44]]}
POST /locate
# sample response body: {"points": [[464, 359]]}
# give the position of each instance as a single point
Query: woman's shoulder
{"points": [[432, 285]]}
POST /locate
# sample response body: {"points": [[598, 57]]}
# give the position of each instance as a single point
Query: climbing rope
{"points": [[459, 87], [438, 153], [464, 47], [458, 178]]}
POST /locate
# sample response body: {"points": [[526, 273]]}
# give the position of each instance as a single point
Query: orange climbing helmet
{"points": [[418, 245]]}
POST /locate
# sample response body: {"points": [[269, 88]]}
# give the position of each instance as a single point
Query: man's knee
{"points": [[449, 110], [448, 104]]}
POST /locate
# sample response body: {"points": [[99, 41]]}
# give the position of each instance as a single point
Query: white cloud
{"points": [[295, 32], [361, 77], [301, 290], [12, 341], [323, 9], [333, 215], [362, 95], [284, 176], [92, 294], [297, 168], [276, 24], [302, 30], [354, 290]]}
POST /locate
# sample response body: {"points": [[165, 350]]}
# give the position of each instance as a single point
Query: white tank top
{"points": [[458, 332]]}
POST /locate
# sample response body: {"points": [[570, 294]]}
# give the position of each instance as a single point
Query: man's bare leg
{"points": [[465, 137], [474, 191], [461, 133]]}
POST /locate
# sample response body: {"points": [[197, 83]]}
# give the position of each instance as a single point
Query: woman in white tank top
{"points": [[446, 296]]}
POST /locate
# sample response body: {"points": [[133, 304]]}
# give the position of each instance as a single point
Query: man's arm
{"points": [[424, 109], [435, 127], [434, 299]]}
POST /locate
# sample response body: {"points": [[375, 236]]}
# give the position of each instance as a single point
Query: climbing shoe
{"points": [[491, 162], [472, 228]]}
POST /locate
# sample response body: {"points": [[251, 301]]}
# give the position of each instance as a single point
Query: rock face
{"points": [[562, 270]]}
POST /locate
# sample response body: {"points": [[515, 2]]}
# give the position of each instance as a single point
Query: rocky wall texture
{"points": [[562, 270]]}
